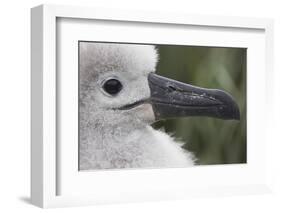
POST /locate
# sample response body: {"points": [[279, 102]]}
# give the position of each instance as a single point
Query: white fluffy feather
{"points": [[109, 138]]}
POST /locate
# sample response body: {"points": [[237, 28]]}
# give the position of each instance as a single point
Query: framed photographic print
{"points": [[130, 106]]}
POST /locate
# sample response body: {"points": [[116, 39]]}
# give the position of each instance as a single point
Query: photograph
{"points": [[160, 106]]}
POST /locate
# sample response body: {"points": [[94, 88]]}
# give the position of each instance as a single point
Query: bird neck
{"points": [[103, 138], [111, 147], [110, 142]]}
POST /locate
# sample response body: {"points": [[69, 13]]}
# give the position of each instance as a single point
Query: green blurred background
{"points": [[213, 141]]}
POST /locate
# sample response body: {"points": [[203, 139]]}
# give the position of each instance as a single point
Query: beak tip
{"points": [[233, 112], [236, 114], [230, 111]]}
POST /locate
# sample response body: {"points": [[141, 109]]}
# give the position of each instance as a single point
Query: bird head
{"points": [[118, 84]]}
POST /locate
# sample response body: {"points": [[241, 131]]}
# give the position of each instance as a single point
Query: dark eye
{"points": [[112, 86]]}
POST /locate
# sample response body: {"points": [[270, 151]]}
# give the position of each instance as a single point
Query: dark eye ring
{"points": [[112, 86]]}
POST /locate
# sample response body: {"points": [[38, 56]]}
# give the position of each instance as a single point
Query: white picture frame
{"points": [[46, 166]]}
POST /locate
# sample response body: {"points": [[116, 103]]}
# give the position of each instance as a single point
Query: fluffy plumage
{"points": [[111, 138]]}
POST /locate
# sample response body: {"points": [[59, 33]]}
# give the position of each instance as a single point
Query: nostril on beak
{"points": [[171, 88]]}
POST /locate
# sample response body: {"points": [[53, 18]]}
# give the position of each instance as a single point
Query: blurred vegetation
{"points": [[213, 141]]}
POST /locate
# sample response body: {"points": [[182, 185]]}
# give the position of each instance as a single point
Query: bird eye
{"points": [[112, 86]]}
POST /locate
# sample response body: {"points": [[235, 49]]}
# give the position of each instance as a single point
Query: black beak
{"points": [[170, 99]]}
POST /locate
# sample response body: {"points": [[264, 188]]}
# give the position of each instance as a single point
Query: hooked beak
{"points": [[170, 99]]}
